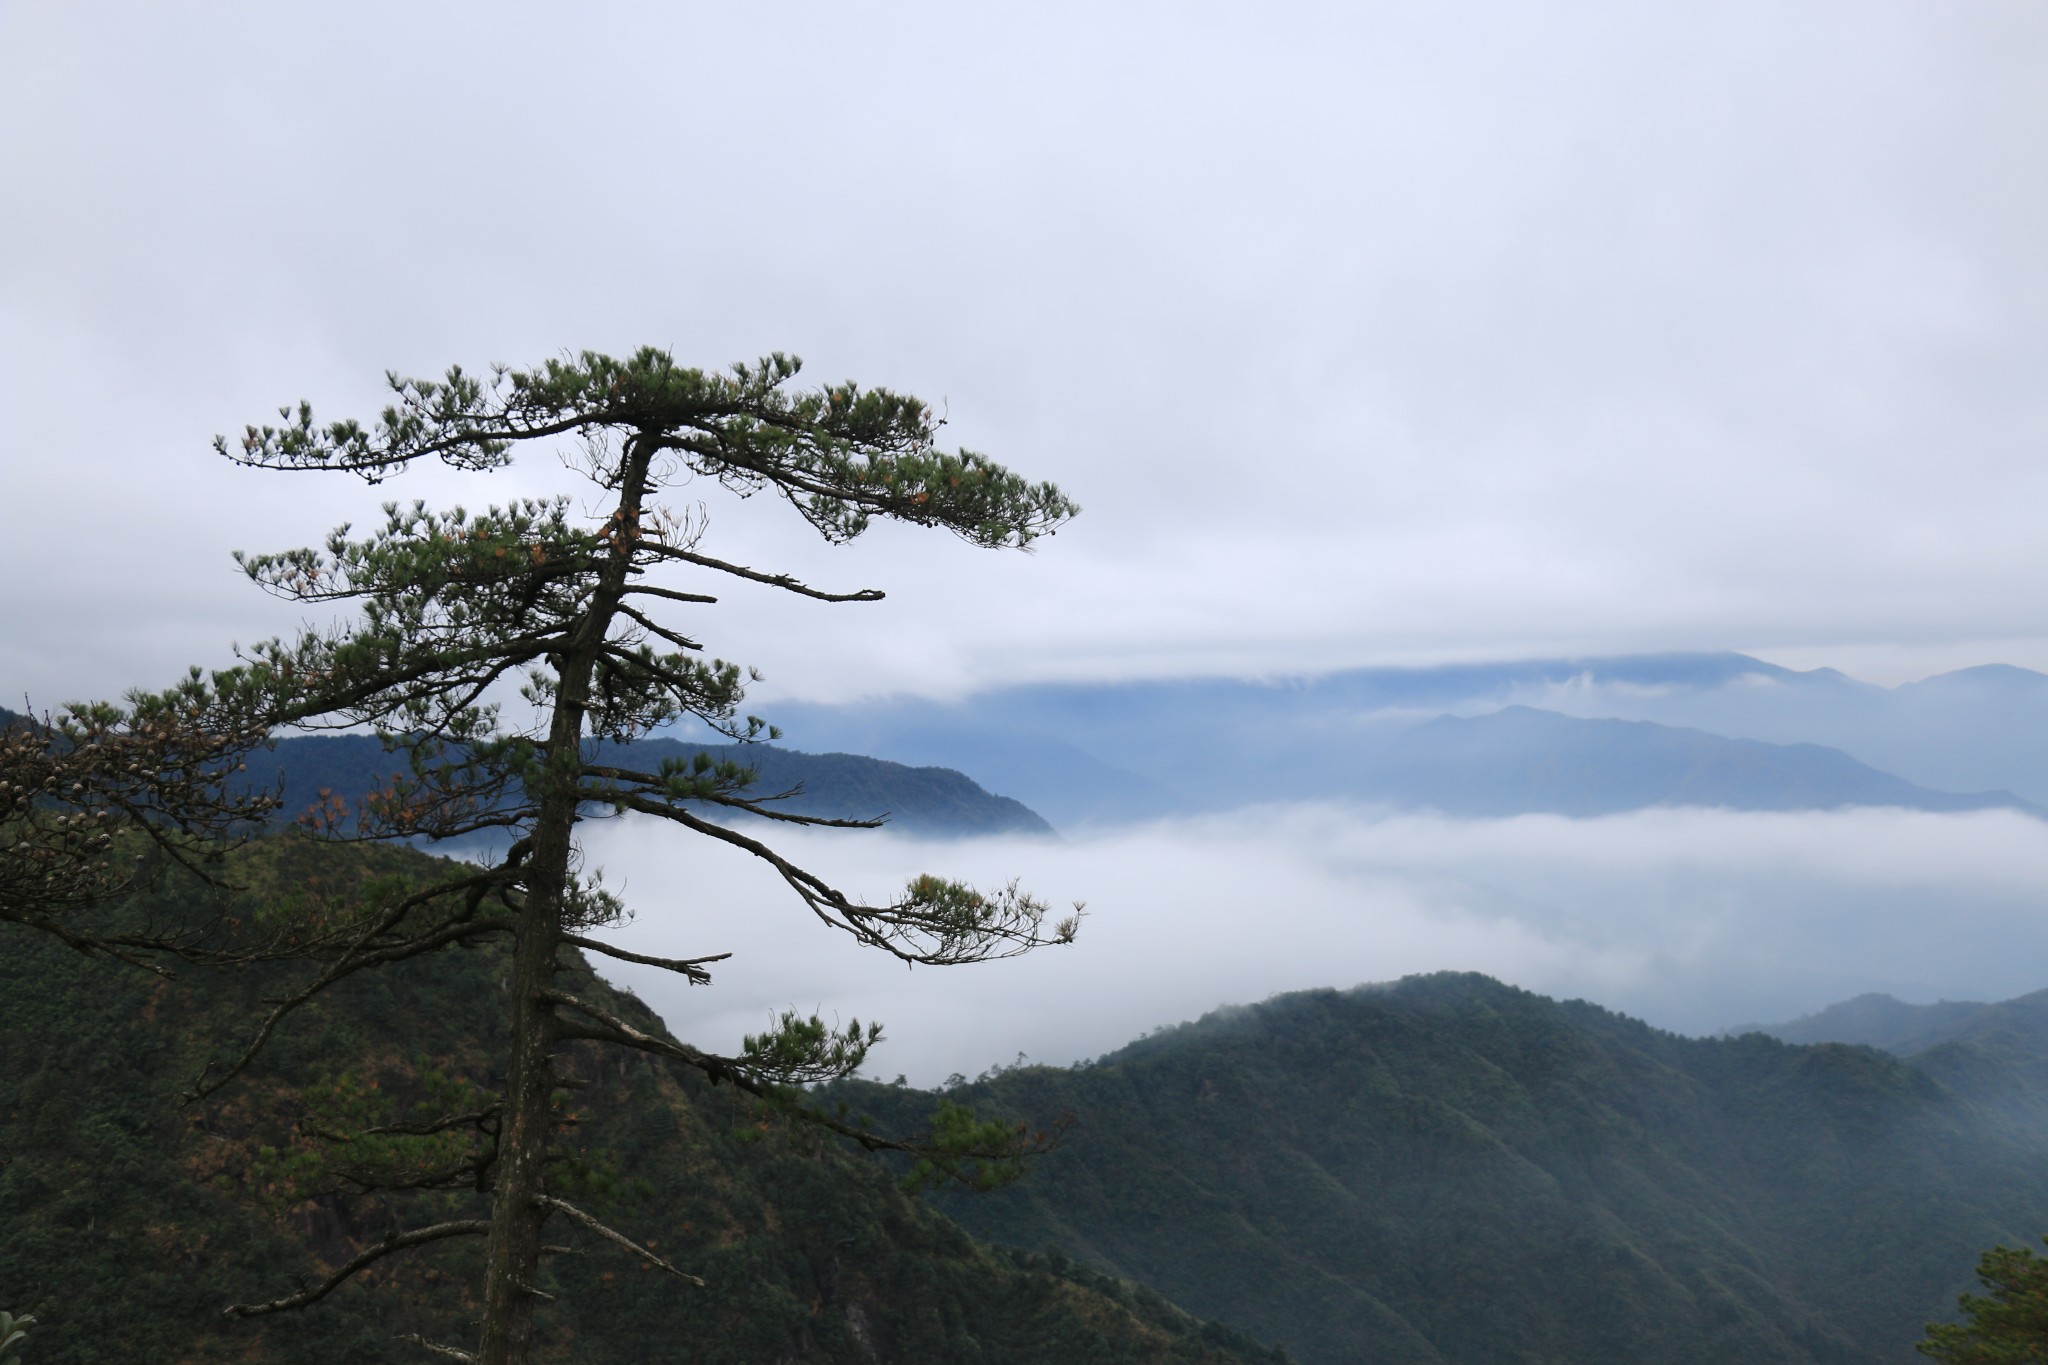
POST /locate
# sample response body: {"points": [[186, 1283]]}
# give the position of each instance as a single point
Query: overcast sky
{"points": [[1364, 333]]}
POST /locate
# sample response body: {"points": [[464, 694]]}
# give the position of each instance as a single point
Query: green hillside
{"points": [[1452, 1170], [128, 1221]]}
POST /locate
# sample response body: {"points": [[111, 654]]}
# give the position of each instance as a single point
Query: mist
{"points": [[1693, 920]]}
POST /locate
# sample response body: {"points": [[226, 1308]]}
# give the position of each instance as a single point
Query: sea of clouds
{"points": [[1694, 920]]}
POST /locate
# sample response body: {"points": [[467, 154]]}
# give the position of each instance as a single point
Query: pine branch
{"points": [[939, 923], [353, 960], [976, 1143]]}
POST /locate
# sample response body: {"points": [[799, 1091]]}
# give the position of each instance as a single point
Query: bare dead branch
{"points": [[113, 947], [466, 1174], [441, 1125], [777, 580], [616, 1030], [436, 1347], [395, 1242], [670, 594], [652, 799], [690, 967], [562, 1206], [655, 628]]}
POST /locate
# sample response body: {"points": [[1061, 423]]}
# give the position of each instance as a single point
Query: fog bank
{"points": [[1694, 920]]}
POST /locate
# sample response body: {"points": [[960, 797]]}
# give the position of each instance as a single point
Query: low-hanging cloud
{"points": [[1694, 920]]}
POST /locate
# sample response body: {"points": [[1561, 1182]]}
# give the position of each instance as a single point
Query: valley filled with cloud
{"points": [[1695, 920]]}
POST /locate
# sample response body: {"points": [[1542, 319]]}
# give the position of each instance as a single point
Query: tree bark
{"points": [[519, 1176]]}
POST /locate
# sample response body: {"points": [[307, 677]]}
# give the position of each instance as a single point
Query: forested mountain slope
{"points": [[1452, 1170], [932, 801], [1997, 1054], [128, 1220], [915, 800]]}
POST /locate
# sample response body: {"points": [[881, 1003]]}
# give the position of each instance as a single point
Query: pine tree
{"points": [[580, 614], [2008, 1325], [98, 798]]}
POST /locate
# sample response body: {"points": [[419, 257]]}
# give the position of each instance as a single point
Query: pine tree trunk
{"points": [[519, 1177], [512, 1261]]}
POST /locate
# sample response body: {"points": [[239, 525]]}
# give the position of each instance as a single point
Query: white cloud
{"points": [[1364, 333], [1694, 920]]}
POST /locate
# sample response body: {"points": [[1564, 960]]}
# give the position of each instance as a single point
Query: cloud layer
{"points": [[1694, 920], [1382, 332]]}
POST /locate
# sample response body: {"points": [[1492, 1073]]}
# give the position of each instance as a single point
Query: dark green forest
{"points": [[1453, 1170], [129, 1220], [1442, 1170]]}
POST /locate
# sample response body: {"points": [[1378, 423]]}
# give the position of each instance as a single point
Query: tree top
{"points": [[841, 454]]}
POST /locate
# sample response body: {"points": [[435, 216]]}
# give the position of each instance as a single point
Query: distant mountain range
{"points": [[1568, 736], [1519, 760], [929, 801], [1450, 1170], [1884, 1021], [1471, 739]]}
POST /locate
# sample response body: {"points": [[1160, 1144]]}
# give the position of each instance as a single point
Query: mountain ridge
{"points": [[1192, 744], [1448, 1169]]}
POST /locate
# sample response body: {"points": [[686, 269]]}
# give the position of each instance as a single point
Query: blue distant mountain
{"points": [[1519, 760], [1722, 729], [1884, 1021], [928, 801]]}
